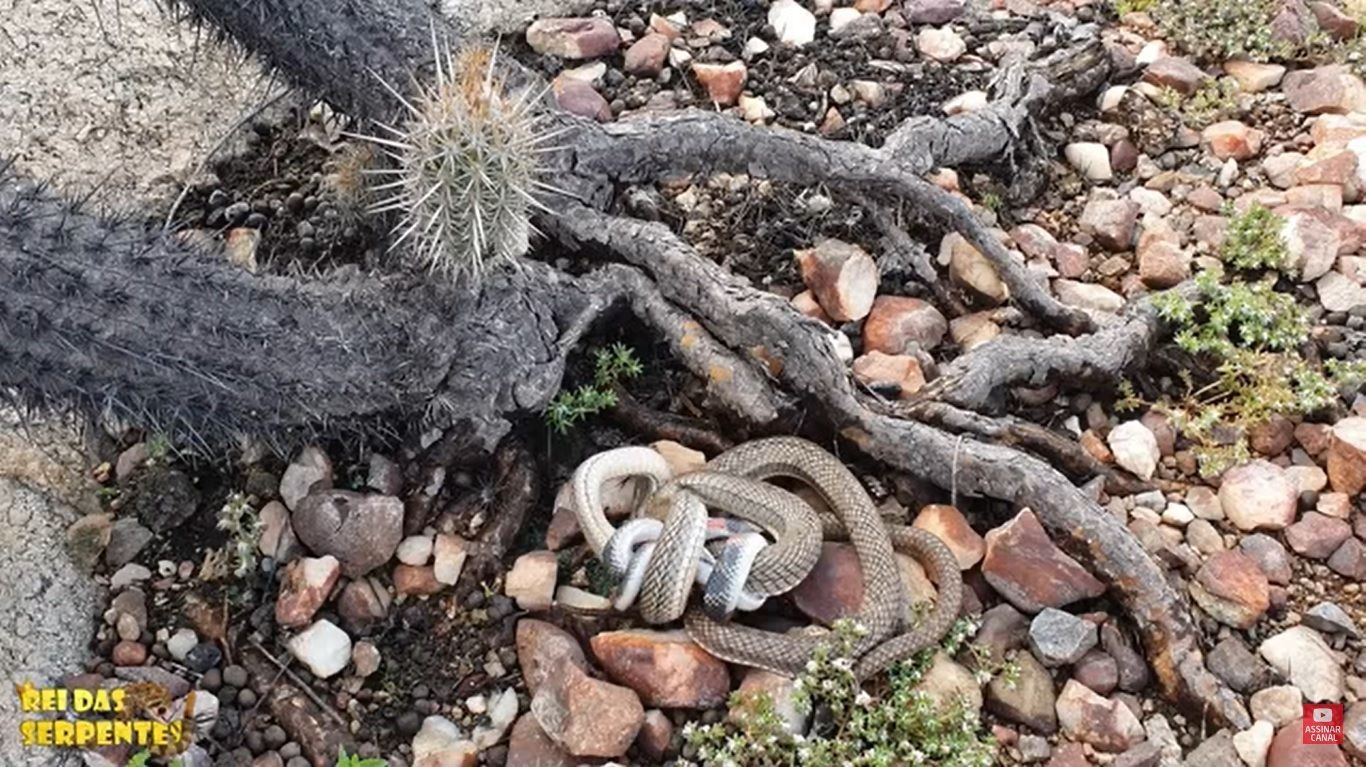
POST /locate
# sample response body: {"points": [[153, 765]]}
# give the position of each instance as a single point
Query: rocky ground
{"points": [[308, 616]]}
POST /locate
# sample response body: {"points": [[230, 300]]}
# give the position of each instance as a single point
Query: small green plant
{"points": [[240, 519], [902, 725], [1217, 30], [1125, 7], [158, 449], [467, 167], [1249, 335], [1253, 240], [352, 760], [610, 367], [140, 758], [1213, 101]]}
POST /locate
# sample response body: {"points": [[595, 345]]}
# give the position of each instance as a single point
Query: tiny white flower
{"points": [[863, 698]]}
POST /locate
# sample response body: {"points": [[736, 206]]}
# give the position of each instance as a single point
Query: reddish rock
{"points": [[531, 581], [529, 746], [1323, 197], [950, 526], [128, 653], [1111, 222], [1069, 755], [1289, 750], [1254, 77], [1311, 243], [306, 585], [1347, 455], [1108, 725], [1232, 589], [1338, 168], [1233, 139], [1316, 535], [586, 716], [665, 668], [1325, 90], [578, 97], [417, 581], [973, 272], [1177, 73], [573, 38], [655, 734], [1024, 565], [834, 587], [806, 303], [897, 374], [1162, 263], [1098, 671], [1071, 260], [363, 603], [646, 57], [843, 277], [1314, 438], [1258, 495], [1334, 21], [723, 82], [1124, 156], [897, 325], [1273, 436], [541, 647], [1034, 241]]}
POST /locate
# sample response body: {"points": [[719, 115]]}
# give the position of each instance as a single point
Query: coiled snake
{"points": [[734, 483]]}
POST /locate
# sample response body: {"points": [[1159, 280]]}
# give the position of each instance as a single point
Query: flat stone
{"points": [[1347, 456], [1059, 638], [361, 531], [1329, 618], [1324, 90], [1089, 296], [1135, 448], [1280, 705], [322, 647], [665, 668], [1177, 73], [1090, 159], [573, 38], [1269, 555], [1254, 77], [1030, 701], [1024, 565], [1107, 725], [900, 325], [940, 44], [794, 24], [306, 585], [541, 647], [950, 526], [1301, 655], [1316, 535], [1215, 751], [1110, 222], [1231, 139], [531, 581], [1232, 589], [1258, 496], [587, 717], [1098, 671], [1234, 663], [311, 470], [1349, 560], [723, 82], [1288, 749], [1253, 743]]}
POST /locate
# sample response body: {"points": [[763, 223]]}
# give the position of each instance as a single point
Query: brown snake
{"points": [[883, 612]]}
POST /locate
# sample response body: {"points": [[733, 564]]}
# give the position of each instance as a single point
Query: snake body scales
{"points": [[729, 484]]}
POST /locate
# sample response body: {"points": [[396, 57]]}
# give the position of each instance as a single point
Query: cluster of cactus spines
{"points": [[467, 167]]}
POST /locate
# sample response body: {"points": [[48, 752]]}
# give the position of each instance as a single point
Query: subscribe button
{"points": [[1322, 724]]}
